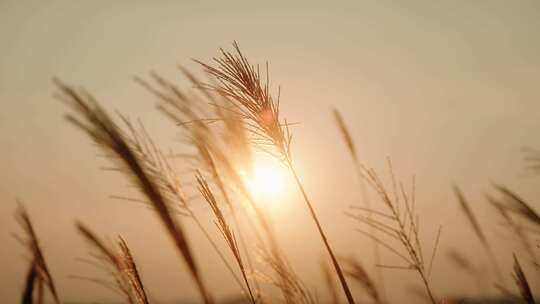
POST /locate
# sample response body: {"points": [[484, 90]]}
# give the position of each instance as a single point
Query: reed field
{"points": [[225, 116], [297, 152]]}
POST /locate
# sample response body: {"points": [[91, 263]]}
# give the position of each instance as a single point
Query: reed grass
{"points": [[92, 119], [220, 165], [241, 83], [126, 275], [38, 272], [223, 120], [400, 224]]}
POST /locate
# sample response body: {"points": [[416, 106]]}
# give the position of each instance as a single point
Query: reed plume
{"points": [[400, 223], [125, 272], [92, 119], [38, 272]]}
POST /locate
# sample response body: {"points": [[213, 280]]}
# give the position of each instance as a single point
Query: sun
{"points": [[266, 180]]}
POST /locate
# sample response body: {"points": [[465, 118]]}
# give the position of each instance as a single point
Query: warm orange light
{"points": [[266, 180]]}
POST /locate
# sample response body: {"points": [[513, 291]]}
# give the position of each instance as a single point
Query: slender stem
{"points": [[335, 263], [428, 288]]}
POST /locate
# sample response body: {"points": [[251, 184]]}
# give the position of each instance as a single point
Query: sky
{"points": [[450, 91]]}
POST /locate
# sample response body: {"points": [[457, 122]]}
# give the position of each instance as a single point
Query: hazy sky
{"points": [[451, 91]]}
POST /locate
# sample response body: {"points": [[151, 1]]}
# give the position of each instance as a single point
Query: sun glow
{"points": [[266, 180]]}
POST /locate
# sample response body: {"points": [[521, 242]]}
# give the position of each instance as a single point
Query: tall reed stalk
{"points": [[240, 82]]}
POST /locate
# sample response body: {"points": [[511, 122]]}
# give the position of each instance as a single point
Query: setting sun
{"points": [[266, 179]]}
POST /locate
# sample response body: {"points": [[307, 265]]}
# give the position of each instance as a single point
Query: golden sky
{"points": [[451, 91]]}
